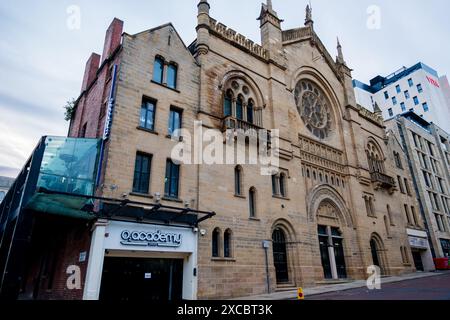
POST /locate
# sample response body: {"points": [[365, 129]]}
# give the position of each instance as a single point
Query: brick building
{"points": [[328, 213]]}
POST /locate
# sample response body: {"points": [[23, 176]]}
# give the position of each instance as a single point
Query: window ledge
{"points": [[172, 199], [280, 197], [240, 196], [147, 130], [141, 195], [165, 86], [254, 219], [169, 136], [219, 259]]}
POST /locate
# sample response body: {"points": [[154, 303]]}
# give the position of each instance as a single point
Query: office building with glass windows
{"points": [[418, 89]]}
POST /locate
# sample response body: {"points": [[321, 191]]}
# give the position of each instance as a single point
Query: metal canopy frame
{"points": [[135, 211]]}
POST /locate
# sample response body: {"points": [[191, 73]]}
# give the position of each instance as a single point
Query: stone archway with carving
{"points": [[291, 248], [326, 201]]}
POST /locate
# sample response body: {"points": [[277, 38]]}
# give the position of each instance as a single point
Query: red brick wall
{"points": [[91, 108], [78, 240]]}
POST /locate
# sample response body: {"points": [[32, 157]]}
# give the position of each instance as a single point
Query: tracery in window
{"points": [[314, 108]]}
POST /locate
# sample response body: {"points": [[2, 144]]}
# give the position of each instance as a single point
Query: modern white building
{"points": [[418, 89]]}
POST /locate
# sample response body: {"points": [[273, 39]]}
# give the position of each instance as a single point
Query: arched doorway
{"points": [[377, 252], [280, 256], [374, 250], [331, 241]]}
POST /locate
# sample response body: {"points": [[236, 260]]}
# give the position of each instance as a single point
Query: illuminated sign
{"points": [[151, 239], [433, 82]]}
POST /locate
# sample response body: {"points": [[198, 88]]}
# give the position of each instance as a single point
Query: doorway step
{"points": [[285, 287], [334, 281]]}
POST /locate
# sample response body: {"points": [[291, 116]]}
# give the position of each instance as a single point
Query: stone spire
{"points": [[340, 57], [271, 34], [203, 27], [269, 15], [309, 21], [377, 109]]}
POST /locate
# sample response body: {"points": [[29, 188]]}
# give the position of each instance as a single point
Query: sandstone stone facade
{"points": [[330, 180]]}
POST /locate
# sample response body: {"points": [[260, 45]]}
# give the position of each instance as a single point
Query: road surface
{"points": [[430, 288]]}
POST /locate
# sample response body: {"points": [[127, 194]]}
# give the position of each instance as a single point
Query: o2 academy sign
{"points": [[151, 239]]}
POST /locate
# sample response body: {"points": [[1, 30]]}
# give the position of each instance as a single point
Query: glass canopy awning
{"points": [[66, 186]]}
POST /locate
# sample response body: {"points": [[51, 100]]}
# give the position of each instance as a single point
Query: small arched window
{"points": [[240, 108], [216, 243], [387, 226], [158, 69], [283, 185], [228, 104], [250, 108], [238, 180], [227, 237], [172, 72], [252, 202]]}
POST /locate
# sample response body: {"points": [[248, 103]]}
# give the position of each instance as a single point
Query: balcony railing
{"points": [[249, 129], [383, 180]]}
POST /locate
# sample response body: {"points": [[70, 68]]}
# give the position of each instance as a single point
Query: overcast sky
{"points": [[42, 59]]}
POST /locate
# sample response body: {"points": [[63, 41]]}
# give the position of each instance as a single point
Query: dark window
{"points": [[175, 121], [172, 179], [394, 100], [410, 82], [252, 202], [215, 243], [238, 181], [147, 120], [416, 101], [274, 184], [227, 104], [391, 113], [172, 72], [142, 173], [386, 95], [250, 111], [403, 106], [425, 107], [419, 88], [397, 87], [239, 108], [227, 244], [398, 161], [158, 70], [407, 96], [400, 185], [283, 185]]}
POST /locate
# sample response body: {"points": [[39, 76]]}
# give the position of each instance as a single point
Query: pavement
{"points": [[438, 284]]}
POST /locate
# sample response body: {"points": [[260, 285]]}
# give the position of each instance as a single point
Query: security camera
{"points": [[195, 230], [203, 232]]}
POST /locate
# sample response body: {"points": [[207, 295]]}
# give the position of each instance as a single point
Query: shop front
{"points": [[141, 262], [420, 250]]}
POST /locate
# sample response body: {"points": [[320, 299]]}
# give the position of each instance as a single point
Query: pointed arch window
{"points": [[227, 237], [238, 181], [240, 108], [216, 243], [252, 202], [250, 114], [172, 73], [228, 104], [283, 185], [158, 70]]}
